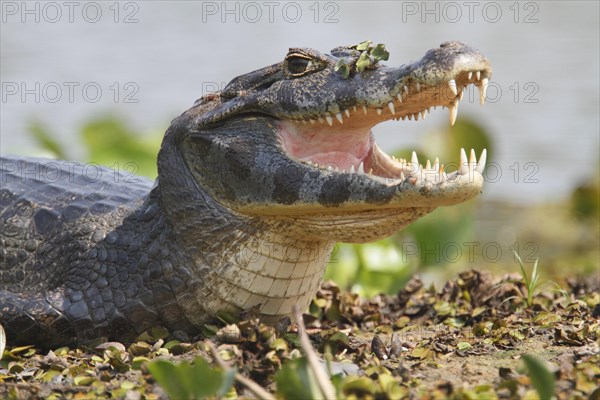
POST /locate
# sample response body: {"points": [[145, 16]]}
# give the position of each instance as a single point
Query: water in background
{"points": [[148, 61]]}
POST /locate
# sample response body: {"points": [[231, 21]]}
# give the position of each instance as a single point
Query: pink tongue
{"points": [[339, 159]]}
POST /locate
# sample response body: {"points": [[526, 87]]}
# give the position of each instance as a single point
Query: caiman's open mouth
{"points": [[343, 142]]}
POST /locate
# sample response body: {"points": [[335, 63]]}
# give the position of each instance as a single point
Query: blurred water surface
{"points": [[152, 59]]}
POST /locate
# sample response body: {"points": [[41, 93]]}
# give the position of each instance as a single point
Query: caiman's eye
{"points": [[298, 64]]}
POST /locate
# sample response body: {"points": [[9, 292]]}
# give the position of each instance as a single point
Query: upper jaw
{"points": [[412, 94]]}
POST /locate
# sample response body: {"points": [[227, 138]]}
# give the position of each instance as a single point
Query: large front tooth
{"points": [[463, 157], [414, 160], [472, 157], [329, 120], [338, 116], [470, 75], [423, 114], [482, 90], [482, 160], [478, 75], [361, 168], [453, 107], [464, 163], [391, 107], [452, 86]]}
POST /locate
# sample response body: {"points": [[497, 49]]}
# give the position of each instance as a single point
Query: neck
{"points": [[235, 262], [267, 270]]}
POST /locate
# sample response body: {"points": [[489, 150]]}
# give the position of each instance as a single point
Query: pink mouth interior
{"points": [[341, 147]]}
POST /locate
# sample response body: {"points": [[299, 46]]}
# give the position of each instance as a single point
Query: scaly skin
{"points": [[255, 185]]}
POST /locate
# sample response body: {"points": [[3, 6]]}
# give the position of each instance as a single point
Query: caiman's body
{"points": [[255, 185]]}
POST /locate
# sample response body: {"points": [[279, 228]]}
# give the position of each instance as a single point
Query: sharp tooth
{"points": [[423, 114], [329, 120], [414, 159], [453, 107], [352, 169], [321, 120], [391, 107], [482, 90], [464, 164], [482, 160], [379, 111], [460, 94], [361, 168], [463, 157], [472, 157], [406, 88], [338, 116], [470, 75], [452, 86], [312, 121], [441, 170], [428, 165], [399, 96], [478, 75], [347, 112], [354, 108], [371, 171], [436, 164], [329, 168], [418, 87], [365, 109]]}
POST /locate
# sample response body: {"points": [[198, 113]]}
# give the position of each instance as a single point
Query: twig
{"points": [[322, 379], [254, 387]]}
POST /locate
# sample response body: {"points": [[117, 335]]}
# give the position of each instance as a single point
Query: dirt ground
{"points": [[464, 340]]}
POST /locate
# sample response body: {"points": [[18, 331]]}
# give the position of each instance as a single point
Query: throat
{"points": [[268, 272]]}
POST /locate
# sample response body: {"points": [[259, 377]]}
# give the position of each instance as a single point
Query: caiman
{"points": [[255, 185]]}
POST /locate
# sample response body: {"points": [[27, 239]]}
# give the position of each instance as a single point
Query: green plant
{"points": [[191, 381], [541, 378], [532, 283]]}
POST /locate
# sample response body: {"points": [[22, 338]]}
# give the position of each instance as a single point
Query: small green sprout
{"points": [[363, 61], [342, 68]]}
